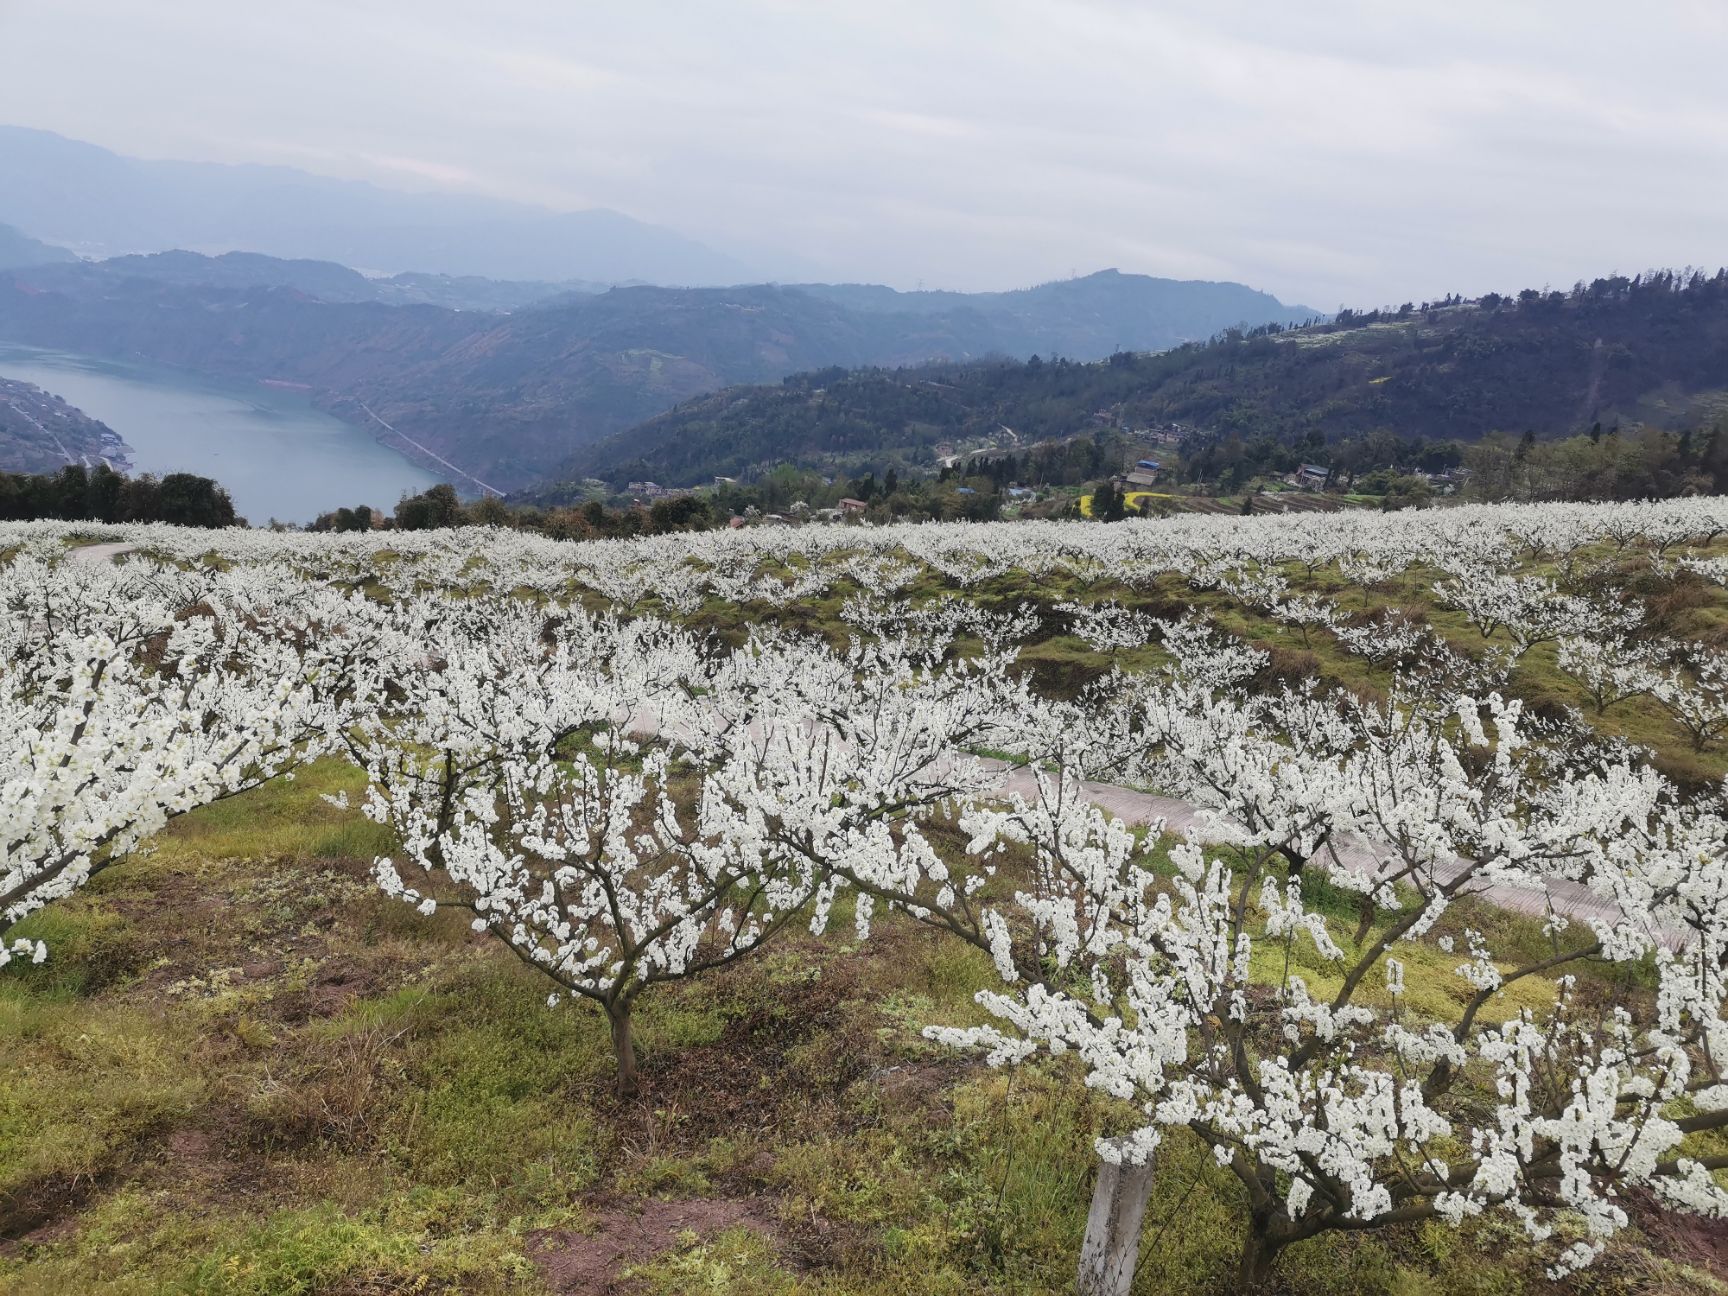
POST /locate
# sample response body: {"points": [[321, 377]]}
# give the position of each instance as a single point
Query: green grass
{"points": [[284, 818], [417, 1127], [84, 1083]]}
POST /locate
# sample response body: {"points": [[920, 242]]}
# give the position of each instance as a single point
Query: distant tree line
{"points": [[440, 507], [100, 494], [1601, 464], [974, 491]]}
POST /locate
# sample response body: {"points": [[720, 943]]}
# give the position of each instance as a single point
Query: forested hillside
{"points": [[1651, 349], [505, 397], [508, 397], [40, 432]]}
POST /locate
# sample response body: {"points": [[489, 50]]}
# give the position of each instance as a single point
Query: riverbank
{"points": [[279, 456]]}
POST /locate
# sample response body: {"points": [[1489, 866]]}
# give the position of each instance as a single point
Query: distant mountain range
{"points": [[510, 397], [1650, 350], [98, 203], [19, 249], [1091, 316], [324, 280]]}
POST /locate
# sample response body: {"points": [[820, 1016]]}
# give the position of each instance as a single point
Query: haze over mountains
{"points": [[484, 331], [547, 374], [324, 280], [99, 203], [18, 249]]}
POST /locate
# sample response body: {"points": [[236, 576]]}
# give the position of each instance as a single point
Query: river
{"points": [[277, 456]]}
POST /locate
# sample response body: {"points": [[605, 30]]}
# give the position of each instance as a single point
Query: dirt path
{"points": [[101, 553], [1570, 900]]}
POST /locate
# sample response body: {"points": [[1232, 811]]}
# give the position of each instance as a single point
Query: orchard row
{"points": [[622, 799]]}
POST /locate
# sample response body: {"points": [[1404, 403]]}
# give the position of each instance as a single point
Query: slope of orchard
{"points": [[244, 1065]]}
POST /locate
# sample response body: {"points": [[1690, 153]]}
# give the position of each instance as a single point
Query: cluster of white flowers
{"points": [[1335, 1109], [623, 801], [128, 696], [1530, 609], [1697, 695], [1611, 667], [766, 563], [1108, 626]]}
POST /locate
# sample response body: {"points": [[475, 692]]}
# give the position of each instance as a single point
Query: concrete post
{"points": [[1111, 1250]]}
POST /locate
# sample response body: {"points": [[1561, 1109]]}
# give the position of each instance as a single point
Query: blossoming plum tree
{"points": [[536, 784], [124, 704], [1337, 1108]]}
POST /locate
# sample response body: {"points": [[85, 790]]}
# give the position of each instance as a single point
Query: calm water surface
{"points": [[278, 457]]}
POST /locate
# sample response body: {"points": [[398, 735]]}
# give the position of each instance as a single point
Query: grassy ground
{"points": [[1680, 605], [244, 1072]]}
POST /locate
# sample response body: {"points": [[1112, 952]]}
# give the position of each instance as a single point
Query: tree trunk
{"points": [[1258, 1252], [623, 1049], [1111, 1251]]}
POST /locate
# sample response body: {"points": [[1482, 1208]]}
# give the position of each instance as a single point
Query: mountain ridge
{"points": [[328, 281], [18, 250], [1089, 315], [507, 397], [1652, 349]]}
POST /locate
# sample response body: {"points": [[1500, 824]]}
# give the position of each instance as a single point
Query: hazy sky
{"points": [[1330, 151]]}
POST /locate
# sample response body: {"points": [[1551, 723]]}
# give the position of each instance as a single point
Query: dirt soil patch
{"points": [[1685, 1238], [625, 1234]]}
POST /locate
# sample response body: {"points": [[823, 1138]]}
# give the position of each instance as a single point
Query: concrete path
{"points": [[101, 553], [1570, 900]]}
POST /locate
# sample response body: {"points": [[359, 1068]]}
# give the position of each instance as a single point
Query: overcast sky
{"points": [[1329, 151]]}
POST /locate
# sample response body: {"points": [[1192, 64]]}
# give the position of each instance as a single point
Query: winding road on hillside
{"points": [[36, 423], [430, 454]]}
